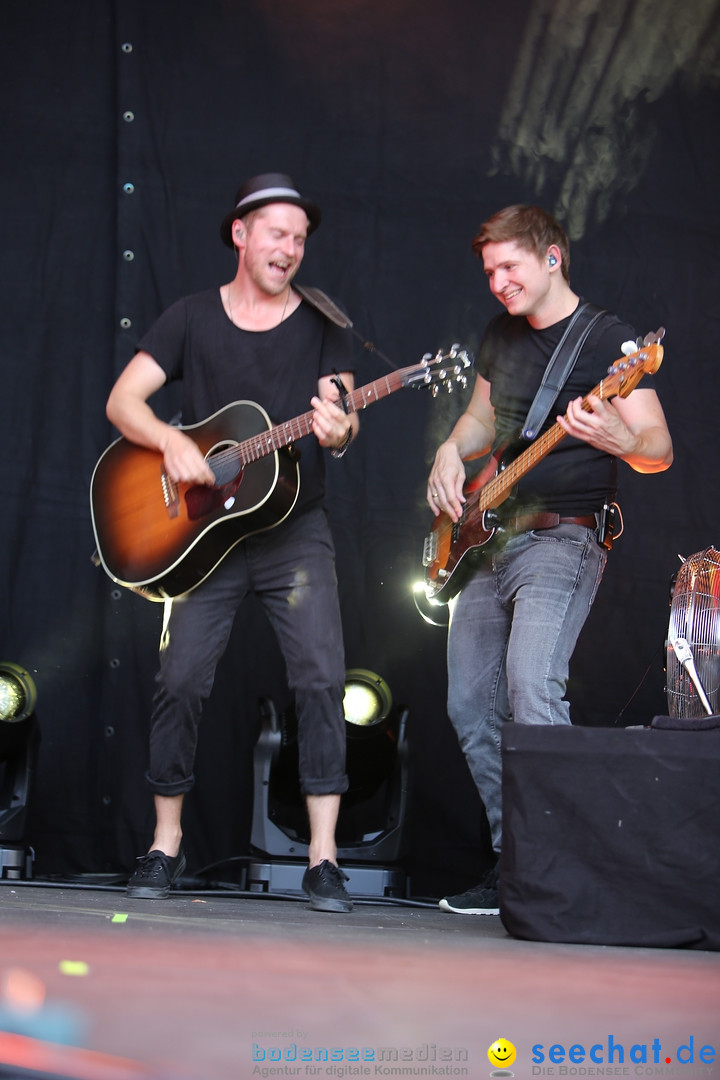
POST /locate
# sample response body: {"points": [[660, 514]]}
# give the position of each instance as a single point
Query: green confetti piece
{"points": [[74, 967]]}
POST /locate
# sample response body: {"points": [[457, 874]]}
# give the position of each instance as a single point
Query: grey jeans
{"points": [[513, 629]]}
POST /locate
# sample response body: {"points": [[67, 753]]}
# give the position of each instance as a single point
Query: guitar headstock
{"points": [[642, 357], [444, 370]]}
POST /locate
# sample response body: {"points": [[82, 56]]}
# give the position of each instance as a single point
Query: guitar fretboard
{"points": [[281, 435], [623, 377]]}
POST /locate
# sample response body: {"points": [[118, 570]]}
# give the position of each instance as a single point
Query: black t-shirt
{"points": [[278, 369], [574, 478]]}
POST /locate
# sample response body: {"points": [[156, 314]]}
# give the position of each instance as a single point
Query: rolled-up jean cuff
{"points": [[177, 787], [336, 786]]}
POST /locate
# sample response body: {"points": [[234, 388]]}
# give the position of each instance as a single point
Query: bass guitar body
{"points": [[453, 549], [162, 539]]}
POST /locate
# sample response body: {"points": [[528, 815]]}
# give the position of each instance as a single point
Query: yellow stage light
{"points": [[17, 693]]}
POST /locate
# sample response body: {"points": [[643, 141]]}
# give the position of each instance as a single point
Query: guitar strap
{"points": [[318, 299], [560, 365]]}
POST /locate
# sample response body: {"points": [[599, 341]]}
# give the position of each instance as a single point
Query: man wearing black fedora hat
{"points": [[255, 339]]}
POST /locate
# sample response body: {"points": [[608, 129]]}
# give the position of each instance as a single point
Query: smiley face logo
{"points": [[502, 1053]]}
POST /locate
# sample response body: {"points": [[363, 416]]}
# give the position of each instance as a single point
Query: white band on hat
{"points": [[270, 193]]}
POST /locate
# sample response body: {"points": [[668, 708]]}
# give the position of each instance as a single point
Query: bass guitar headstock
{"points": [[641, 357]]}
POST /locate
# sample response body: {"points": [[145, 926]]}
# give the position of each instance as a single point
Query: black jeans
{"points": [[291, 569]]}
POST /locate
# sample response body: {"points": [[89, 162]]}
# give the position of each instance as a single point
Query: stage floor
{"points": [[204, 986]]}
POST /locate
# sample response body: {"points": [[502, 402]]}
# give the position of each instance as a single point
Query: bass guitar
{"points": [[161, 538], [451, 548]]}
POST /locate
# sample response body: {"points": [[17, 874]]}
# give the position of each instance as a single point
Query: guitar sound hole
{"points": [[224, 464]]}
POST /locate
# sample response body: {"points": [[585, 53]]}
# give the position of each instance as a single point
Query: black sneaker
{"points": [[325, 886], [155, 875], [481, 900]]}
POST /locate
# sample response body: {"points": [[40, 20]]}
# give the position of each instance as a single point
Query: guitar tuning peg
{"points": [[629, 347], [656, 338], [426, 357]]}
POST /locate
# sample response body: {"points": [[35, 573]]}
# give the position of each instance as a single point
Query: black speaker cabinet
{"points": [[611, 836]]}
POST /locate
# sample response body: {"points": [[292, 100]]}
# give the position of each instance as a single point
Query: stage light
{"points": [[17, 693], [367, 700], [19, 741]]}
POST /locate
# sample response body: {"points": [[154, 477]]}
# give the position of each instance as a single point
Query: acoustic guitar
{"points": [[161, 538]]}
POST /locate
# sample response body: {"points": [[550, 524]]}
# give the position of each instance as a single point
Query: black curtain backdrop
{"points": [[127, 127]]}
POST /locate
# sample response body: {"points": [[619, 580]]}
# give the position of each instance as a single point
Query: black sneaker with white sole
{"points": [[325, 886], [480, 900]]}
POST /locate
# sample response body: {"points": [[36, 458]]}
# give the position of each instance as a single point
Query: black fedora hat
{"points": [[261, 191]]}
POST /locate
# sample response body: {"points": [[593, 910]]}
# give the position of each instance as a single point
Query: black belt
{"points": [[541, 520]]}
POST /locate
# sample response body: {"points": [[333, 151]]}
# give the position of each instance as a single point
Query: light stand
{"points": [[19, 742]]}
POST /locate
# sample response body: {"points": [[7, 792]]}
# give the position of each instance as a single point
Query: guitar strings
{"points": [[280, 435]]}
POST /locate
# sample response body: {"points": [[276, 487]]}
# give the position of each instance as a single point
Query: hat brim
{"points": [[312, 211]]}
